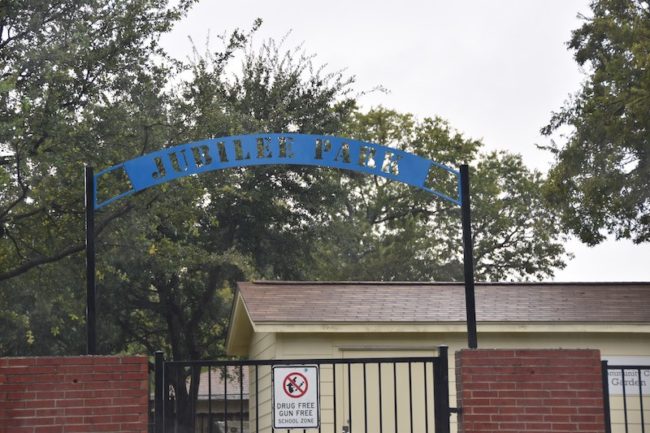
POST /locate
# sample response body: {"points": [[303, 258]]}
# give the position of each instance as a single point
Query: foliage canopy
{"points": [[601, 178]]}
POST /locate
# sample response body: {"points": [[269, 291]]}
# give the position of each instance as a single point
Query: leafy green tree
{"points": [[601, 177], [76, 82], [388, 231], [66, 70]]}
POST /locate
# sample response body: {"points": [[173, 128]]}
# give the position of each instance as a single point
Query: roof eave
{"points": [[451, 327], [240, 329]]}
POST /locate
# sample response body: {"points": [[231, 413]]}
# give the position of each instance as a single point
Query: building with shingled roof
{"points": [[308, 320], [270, 319]]}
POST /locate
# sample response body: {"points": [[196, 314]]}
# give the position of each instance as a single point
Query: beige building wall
{"points": [[291, 341], [263, 346]]}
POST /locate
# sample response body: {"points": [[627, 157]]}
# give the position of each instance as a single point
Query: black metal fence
{"points": [[362, 395], [626, 398]]}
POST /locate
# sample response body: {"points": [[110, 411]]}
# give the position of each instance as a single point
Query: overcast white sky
{"points": [[495, 69]]}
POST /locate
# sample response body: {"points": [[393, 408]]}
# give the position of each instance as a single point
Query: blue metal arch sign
{"points": [[274, 149]]}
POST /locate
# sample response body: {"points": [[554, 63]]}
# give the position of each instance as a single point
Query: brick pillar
{"points": [[81, 394], [521, 391]]}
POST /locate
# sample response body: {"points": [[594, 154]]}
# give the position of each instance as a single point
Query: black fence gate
{"points": [[627, 398], [362, 395]]}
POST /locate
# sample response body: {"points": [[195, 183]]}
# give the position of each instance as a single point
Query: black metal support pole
{"points": [[468, 258], [90, 263], [159, 397], [441, 392]]}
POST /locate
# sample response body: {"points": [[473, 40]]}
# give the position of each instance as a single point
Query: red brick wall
{"points": [[556, 391], [73, 394]]}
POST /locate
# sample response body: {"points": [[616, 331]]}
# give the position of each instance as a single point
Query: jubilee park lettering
{"points": [[273, 149]]}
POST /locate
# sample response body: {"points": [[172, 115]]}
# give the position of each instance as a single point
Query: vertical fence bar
{"points": [[209, 399], [381, 408], [365, 400], [320, 415], [436, 397], [410, 397], [334, 391], [91, 290], [605, 377], [257, 402], [426, 399], [177, 390], [225, 397], [624, 398], [192, 373], [241, 398], [641, 399], [349, 397], [395, 392], [159, 398]]}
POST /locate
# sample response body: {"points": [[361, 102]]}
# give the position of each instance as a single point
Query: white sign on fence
{"points": [[295, 396], [631, 378]]}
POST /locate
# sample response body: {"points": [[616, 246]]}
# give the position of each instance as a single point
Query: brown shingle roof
{"points": [[445, 302], [219, 389]]}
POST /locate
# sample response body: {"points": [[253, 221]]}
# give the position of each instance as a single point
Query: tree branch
{"points": [[73, 249], [23, 188]]}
